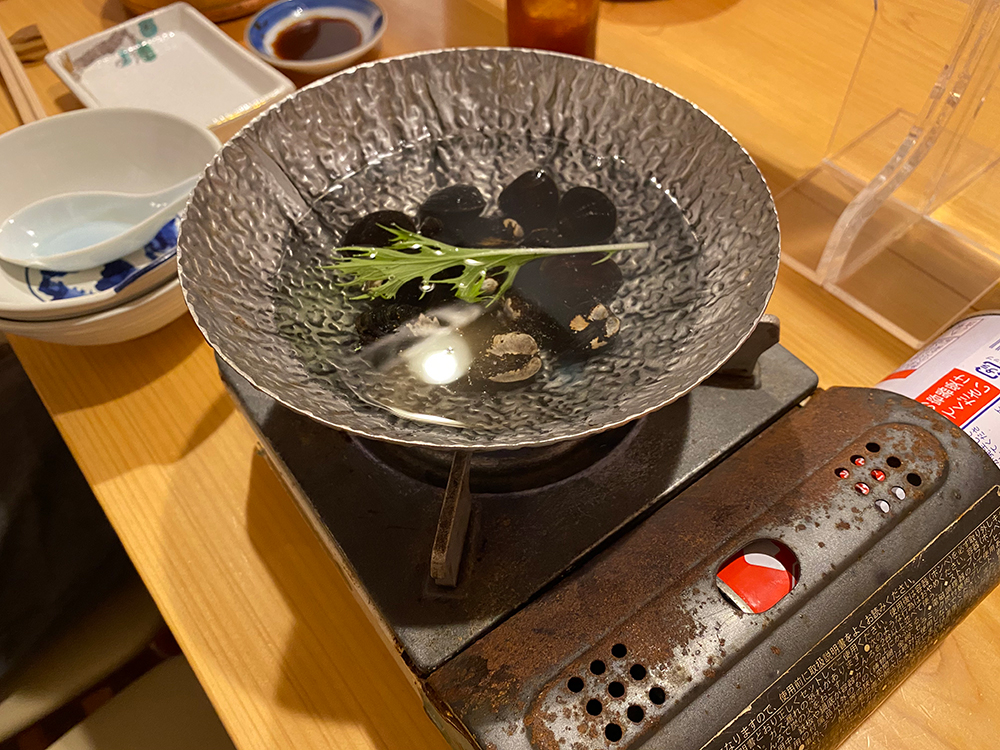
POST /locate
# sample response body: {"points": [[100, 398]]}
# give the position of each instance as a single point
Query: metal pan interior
{"points": [[279, 196]]}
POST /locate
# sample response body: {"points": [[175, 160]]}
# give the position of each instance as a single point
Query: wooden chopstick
{"points": [[26, 101]]}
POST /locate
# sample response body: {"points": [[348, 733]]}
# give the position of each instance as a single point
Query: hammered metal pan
{"points": [[280, 194]]}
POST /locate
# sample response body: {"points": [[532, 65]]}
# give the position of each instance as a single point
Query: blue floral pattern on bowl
{"points": [[265, 26], [280, 11], [55, 285]]}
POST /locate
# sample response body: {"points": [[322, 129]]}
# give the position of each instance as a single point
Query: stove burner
{"points": [[385, 525], [502, 471]]}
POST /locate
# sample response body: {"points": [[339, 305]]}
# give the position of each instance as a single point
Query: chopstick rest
{"points": [[28, 44], [29, 106]]}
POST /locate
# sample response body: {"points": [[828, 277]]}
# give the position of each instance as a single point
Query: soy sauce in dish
{"points": [[317, 38]]}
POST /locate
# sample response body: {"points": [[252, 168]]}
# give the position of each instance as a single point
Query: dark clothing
{"points": [[58, 554]]}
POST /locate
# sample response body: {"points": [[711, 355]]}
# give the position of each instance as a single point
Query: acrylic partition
{"points": [[901, 220]]}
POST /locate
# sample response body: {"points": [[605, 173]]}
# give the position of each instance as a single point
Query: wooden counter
{"points": [[263, 615]]}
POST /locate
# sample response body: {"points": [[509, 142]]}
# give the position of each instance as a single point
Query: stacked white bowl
{"points": [[106, 150]]}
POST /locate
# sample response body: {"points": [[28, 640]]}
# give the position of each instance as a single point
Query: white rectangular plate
{"points": [[173, 60]]}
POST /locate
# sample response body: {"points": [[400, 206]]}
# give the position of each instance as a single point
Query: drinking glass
{"points": [[568, 26]]}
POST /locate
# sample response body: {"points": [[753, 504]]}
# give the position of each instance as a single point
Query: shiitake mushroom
{"points": [[368, 232], [586, 216], [532, 199]]}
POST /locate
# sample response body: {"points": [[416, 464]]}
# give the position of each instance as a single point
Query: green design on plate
{"points": [[146, 52], [148, 27]]}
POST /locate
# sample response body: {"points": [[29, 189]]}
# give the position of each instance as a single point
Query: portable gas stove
{"points": [[577, 596]]}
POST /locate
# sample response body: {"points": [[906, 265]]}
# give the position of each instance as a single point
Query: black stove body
{"points": [[574, 603]]}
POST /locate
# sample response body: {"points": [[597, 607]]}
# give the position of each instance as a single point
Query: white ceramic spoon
{"points": [[76, 231]]}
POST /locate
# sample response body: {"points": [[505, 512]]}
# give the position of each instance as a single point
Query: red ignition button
{"points": [[759, 575], [878, 475]]}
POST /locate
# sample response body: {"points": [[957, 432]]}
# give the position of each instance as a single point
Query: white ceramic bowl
{"points": [[33, 294], [122, 150], [265, 27], [124, 323], [127, 150]]}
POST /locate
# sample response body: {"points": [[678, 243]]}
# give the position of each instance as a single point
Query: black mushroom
{"points": [[543, 237], [433, 228], [456, 200], [566, 299], [368, 230], [532, 199], [586, 217], [448, 212], [559, 305], [493, 231], [569, 281]]}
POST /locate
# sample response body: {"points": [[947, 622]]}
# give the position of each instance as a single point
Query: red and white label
{"points": [[958, 376], [759, 575], [959, 395]]}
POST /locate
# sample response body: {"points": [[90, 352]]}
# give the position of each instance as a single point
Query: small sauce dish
{"points": [[315, 37]]}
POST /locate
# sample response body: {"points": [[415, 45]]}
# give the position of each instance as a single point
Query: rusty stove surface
{"points": [[641, 639]]}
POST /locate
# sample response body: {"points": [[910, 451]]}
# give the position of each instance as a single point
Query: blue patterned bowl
{"points": [[105, 149], [264, 28], [31, 294]]}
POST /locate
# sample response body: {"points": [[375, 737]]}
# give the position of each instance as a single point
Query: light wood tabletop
{"points": [[269, 625]]}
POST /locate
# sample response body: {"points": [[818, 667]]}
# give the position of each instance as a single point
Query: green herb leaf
{"points": [[382, 271]]}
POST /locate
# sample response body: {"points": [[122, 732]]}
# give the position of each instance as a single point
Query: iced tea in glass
{"points": [[568, 26]]}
